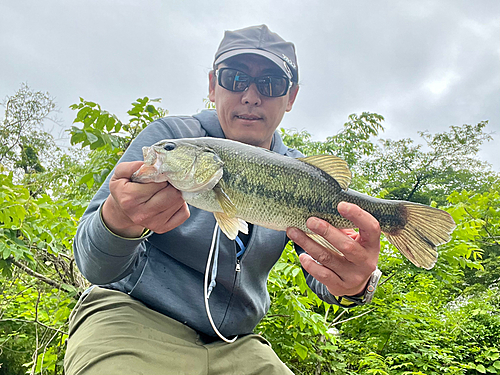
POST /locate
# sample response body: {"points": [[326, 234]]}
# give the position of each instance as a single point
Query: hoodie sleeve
{"points": [[102, 256]]}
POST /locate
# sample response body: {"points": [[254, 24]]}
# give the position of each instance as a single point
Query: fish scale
{"points": [[241, 183]]}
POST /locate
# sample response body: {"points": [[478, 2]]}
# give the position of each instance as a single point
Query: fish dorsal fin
{"points": [[333, 165]]}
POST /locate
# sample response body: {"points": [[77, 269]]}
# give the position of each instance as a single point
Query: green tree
{"points": [[352, 143], [481, 212], [447, 162], [403, 331], [22, 130], [443, 321], [43, 195]]}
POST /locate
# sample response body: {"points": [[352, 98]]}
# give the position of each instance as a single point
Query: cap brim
{"points": [[275, 59]]}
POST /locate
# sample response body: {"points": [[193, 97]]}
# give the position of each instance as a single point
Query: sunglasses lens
{"points": [[272, 86], [234, 80], [241, 81]]}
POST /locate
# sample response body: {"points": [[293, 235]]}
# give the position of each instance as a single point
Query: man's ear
{"points": [[292, 95], [211, 85]]}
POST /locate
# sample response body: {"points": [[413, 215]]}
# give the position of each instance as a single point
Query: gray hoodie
{"points": [[166, 271]]}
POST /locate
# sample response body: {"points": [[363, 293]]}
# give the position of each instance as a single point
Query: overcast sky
{"points": [[423, 65]]}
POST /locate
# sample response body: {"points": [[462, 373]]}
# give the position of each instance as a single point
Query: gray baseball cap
{"points": [[261, 41]]}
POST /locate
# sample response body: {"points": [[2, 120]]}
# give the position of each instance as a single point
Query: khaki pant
{"points": [[112, 333]]}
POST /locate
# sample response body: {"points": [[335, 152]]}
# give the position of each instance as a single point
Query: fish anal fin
{"points": [[243, 226], [332, 165], [230, 225], [323, 242]]}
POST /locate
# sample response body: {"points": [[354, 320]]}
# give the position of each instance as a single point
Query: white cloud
{"points": [[441, 85], [423, 65]]}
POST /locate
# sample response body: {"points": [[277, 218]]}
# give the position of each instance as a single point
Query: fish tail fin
{"points": [[425, 229]]}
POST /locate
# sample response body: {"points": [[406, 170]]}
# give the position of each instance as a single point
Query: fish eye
{"points": [[169, 146]]}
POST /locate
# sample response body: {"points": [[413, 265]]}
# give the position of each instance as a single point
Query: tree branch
{"points": [[415, 188], [35, 354], [387, 279], [39, 276], [33, 321]]}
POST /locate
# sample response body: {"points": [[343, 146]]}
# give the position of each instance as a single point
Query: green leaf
{"points": [[151, 109], [77, 136], [87, 179], [104, 173], [110, 124], [5, 250], [101, 122], [118, 126], [481, 369], [82, 113], [301, 350], [91, 137]]}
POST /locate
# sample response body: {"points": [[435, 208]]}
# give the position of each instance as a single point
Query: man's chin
{"points": [[254, 141]]}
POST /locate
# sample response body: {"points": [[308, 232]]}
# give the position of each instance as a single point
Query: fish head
{"points": [[187, 166]]}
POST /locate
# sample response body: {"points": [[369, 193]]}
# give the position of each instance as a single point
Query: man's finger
{"points": [[369, 227], [171, 222], [162, 197], [128, 193], [127, 169], [350, 248], [326, 257], [321, 273]]}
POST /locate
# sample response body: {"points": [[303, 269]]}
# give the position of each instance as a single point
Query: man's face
{"points": [[248, 116]]}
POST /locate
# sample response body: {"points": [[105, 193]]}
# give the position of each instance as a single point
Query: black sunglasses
{"points": [[268, 85]]}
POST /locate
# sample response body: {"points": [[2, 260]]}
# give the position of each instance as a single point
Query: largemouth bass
{"points": [[241, 183]]}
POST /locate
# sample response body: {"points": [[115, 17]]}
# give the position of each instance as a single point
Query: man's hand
{"points": [[343, 275], [131, 207]]}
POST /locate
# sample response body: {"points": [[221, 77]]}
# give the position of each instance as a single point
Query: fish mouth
{"points": [[145, 174], [150, 170]]}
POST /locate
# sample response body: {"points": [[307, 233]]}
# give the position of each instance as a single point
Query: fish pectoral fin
{"points": [[333, 165], [227, 220], [230, 225], [225, 202], [323, 242]]}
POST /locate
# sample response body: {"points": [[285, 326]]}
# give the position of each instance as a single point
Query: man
{"points": [[146, 249]]}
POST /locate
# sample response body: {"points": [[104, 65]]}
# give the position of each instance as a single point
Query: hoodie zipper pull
{"points": [[238, 267]]}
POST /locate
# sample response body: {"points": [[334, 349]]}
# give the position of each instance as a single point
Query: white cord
{"points": [[205, 287]]}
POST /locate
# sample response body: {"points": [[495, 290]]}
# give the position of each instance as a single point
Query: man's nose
{"points": [[251, 95]]}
